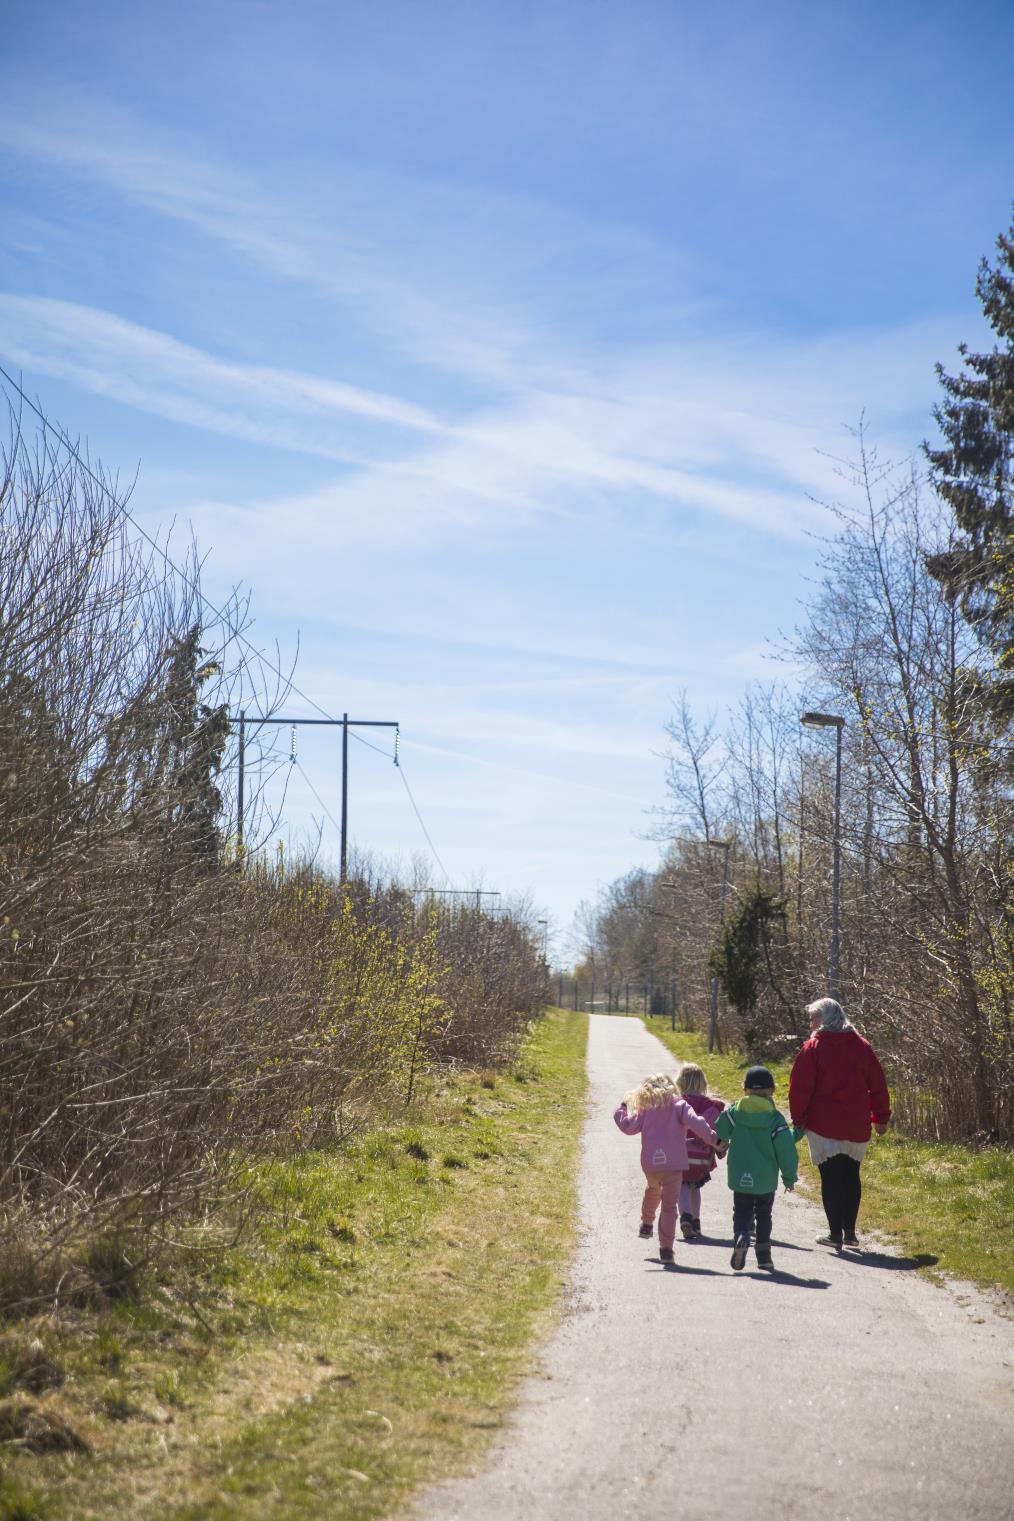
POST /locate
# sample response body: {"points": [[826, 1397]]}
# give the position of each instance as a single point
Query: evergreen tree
{"points": [[736, 957], [974, 473]]}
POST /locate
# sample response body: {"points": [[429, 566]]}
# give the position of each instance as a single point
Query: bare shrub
{"points": [[168, 1001]]}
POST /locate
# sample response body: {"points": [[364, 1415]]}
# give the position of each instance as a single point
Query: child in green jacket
{"points": [[761, 1144]]}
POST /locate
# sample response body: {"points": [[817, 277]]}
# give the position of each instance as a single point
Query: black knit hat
{"points": [[758, 1077]]}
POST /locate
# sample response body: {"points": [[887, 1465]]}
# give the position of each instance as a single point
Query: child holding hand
{"points": [[693, 1085], [655, 1111], [761, 1144]]}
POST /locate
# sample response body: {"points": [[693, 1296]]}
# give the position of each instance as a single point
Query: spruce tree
{"points": [[974, 473]]}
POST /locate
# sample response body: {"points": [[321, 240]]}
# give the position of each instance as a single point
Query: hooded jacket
{"points": [[702, 1158], [761, 1145], [663, 1134], [837, 1087]]}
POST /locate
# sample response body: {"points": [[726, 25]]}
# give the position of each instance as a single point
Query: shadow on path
{"points": [[685, 1270], [778, 1246], [780, 1276], [682, 1269], [892, 1264]]}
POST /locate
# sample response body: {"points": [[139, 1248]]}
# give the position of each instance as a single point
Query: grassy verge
{"points": [[364, 1338], [942, 1201]]}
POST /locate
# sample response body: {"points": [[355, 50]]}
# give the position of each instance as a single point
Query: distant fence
{"points": [[648, 999]]}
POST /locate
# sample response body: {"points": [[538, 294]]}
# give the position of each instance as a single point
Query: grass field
{"points": [[938, 1200], [364, 1336]]}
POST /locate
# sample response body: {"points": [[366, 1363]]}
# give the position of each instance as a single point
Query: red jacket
{"points": [[837, 1087], [699, 1154]]}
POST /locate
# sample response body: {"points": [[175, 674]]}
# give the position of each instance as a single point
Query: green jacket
{"points": [[762, 1144]]}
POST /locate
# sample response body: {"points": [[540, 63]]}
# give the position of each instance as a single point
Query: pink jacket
{"points": [[663, 1134]]}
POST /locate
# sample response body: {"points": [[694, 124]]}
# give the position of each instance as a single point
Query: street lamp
{"points": [[659, 913], [836, 722], [545, 939], [726, 846]]}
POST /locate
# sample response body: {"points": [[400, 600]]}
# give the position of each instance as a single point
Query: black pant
{"points": [[840, 1193], [745, 1207]]}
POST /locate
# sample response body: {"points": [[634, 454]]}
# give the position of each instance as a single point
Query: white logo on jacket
{"points": [[746, 1181], [659, 1159]]}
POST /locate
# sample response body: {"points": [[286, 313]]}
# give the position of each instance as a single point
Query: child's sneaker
{"points": [[687, 1224], [764, 1259], [645, 1230], [665, 1254], [829, 1240], [698, 1233], [739, 1251], [849, 1238]]}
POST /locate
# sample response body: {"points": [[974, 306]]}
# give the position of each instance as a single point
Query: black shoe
{"points": [[829, 1240], [739, 1251], [849, 1238], [665, 1254], [687, 1227], [645, 1230], [764, 1259], [698, 1234]]}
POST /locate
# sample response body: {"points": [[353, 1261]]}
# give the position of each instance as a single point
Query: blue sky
{"points": [[499, 350]]}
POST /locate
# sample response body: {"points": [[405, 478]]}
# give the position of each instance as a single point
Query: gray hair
{"points": [[830, 1013]]}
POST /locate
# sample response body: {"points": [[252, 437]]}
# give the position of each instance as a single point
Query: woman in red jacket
{"points": [[838, 1094]]}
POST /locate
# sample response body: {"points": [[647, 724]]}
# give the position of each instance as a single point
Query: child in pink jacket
{"points": [[655, 1112]]}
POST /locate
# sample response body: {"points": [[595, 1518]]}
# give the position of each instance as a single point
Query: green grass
{"points": [[939, 1201], [365, 1335]]}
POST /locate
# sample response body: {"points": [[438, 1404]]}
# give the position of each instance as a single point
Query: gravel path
{"points": [[843, 1388]]}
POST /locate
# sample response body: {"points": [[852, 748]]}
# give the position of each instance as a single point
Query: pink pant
{"points": [[690, 1201], [664, 1187]]}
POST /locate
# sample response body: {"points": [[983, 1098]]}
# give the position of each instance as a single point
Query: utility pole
{"points": [[799, 870], [345, 723], [725, 846], [462, 892], [240, 787], [672, 989], [836, 722], [344, 857], [658, 913]]}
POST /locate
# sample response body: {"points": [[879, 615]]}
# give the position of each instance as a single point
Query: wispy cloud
{"points": [[152, 371], [528, 773], [380, 249], [703, 422]]}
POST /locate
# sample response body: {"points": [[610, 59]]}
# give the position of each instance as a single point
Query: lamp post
{"points": [[836, 722], [545, 939], [723, 845], [660, 914]]}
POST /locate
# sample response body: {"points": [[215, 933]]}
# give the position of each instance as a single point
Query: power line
{"points": [[422, 826], [299, 767], [194, 586], [370, 746], [219, 613]]}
